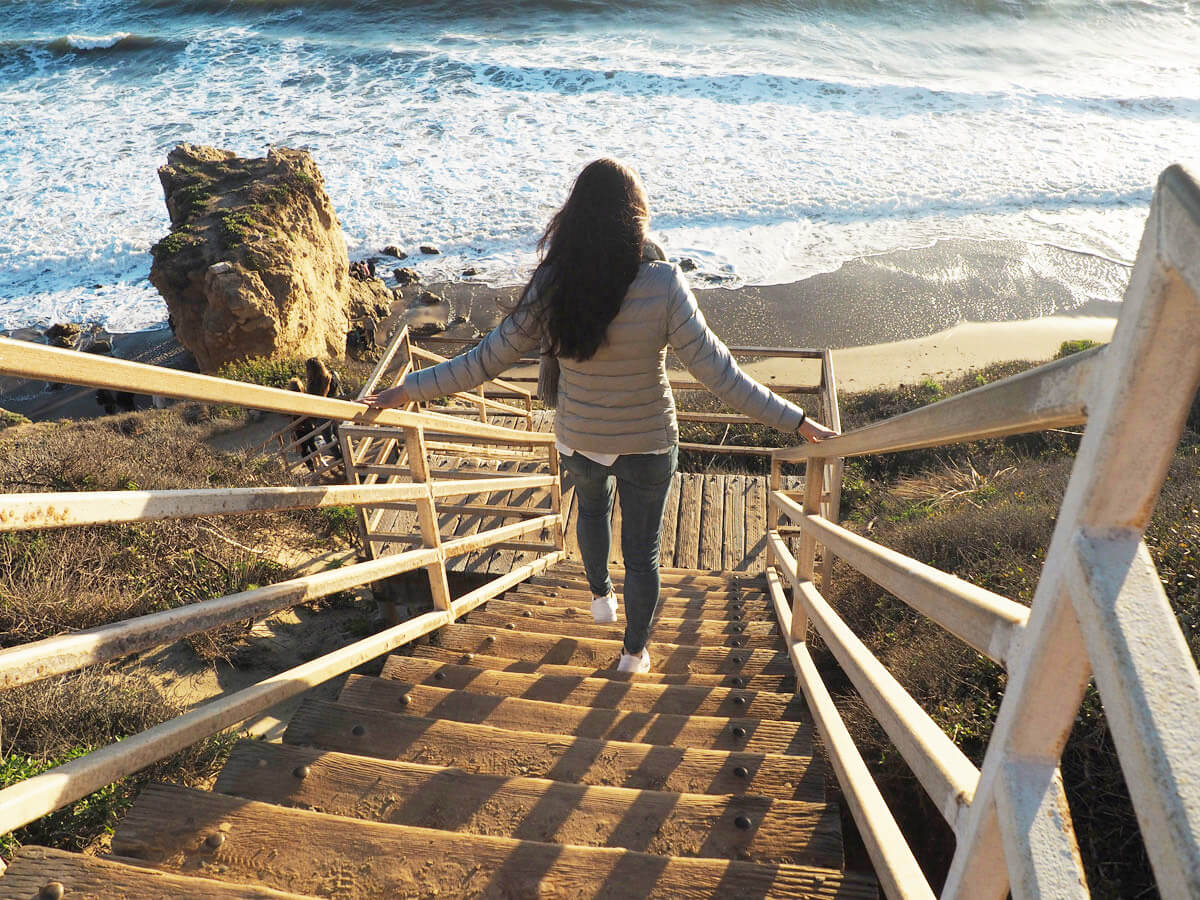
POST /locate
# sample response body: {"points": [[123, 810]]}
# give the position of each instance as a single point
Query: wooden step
{"points": [[694, 635], [482, 748], [557, 587], [600, 693], [707, 732], [535, 809], [675, 607], [582, 612], [785, 684], [289, 849], [580, 651], [568, 569], [92, 878]]}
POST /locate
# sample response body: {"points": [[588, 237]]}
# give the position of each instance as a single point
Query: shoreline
{"points": [[890, 319]]}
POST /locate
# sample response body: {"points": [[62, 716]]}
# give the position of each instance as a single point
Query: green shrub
{"points": [[1069, 348], [274, 373], [341, 521]]}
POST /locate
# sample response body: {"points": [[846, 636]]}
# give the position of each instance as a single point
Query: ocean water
{"points": [[777, 138]]}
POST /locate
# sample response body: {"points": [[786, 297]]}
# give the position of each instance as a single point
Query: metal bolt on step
{"points": [[214, 840], [301, 771], [739, 731], [358, 730], [737, 681], [740, 642], [511, 626], [542, 603], [736, 660], [741, 772], [527, 614], [739, 627], [739, 700], [468, 657], [51, 890], [742, 822], [439, 676], [490, 639], [405, 699]]}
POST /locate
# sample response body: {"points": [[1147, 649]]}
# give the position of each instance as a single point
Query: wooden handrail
{"points": [[1050, 396], [68, 652], [944, 771], [895, 866], [20, 512], [981, 618], [28, 360]]}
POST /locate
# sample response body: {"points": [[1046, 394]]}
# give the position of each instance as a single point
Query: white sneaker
{"points": [[630, 663], [604, 609]]}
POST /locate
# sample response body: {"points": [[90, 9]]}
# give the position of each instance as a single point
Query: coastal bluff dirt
{"points": [[255, 264]]}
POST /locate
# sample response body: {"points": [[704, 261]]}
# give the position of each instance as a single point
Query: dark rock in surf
{"points": [[393, 250], [406, 276], [430, 250]]}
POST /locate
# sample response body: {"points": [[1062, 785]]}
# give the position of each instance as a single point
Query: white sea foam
{"points": [[807, 141], [101, 42]]}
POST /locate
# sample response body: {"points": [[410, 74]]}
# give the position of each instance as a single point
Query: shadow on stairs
{"points": [[509, 759]]}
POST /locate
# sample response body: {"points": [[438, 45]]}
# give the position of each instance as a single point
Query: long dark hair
{"points": [[590, 251]]}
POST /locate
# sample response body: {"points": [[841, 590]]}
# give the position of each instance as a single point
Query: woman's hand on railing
{"points": [[813, 431], [389, 399]]}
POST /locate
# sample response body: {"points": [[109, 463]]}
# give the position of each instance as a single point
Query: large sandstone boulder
{"points": [[255, 264]]}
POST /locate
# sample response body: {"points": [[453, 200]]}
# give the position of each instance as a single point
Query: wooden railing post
{"points": [[558, 534], [775, 484], [418, 464], [833, 418]]}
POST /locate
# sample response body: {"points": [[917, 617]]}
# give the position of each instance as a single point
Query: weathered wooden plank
{"points": [[483, 748], [683, 699], [753, 609], [588, 651], [695, 632], [92, 878], [756, 525], [478, 561], [170, 826], [687, 540], [686, 575], [784, 683], [712, 531], [670, 525], [536, 809], [734, 521], [580, 612], [705, 732], [570, 532], [557, 584]]}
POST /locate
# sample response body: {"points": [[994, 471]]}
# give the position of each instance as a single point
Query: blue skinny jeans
{"points": [[642, 481]]}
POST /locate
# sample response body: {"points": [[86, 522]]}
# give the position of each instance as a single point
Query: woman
{"points": [[607, 315]]}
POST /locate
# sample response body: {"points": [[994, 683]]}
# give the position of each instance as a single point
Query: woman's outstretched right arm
{"points": [[710, 361], [503, 347]]}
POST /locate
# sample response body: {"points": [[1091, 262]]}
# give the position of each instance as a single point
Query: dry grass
{"points": [[62, 579], [986, 512]]}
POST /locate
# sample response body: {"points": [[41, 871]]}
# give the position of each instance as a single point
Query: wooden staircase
{"points": [[509, 759]]}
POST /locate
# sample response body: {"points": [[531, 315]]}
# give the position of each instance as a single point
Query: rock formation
{"points": [[255, 264]]}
